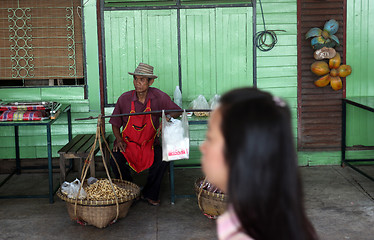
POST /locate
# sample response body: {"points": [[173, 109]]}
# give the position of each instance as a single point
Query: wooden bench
{"points": [[79, 147]]}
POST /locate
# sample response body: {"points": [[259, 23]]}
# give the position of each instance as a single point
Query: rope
{"points": [[111, 154], [99, 134], [263, 37], [99, 126]]}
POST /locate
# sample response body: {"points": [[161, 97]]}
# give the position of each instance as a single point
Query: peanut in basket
{"points": [[102, 190]]}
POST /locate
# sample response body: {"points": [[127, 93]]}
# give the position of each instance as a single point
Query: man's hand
{"points": [[119, 146]]}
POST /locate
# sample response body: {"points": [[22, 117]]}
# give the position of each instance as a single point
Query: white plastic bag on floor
{"points": [[175, 138], [71, 189]]}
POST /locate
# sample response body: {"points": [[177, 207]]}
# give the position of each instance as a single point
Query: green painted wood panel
{"points": [[91, 54], [277, 68], [216, 50], [279, 15], [134, 36], [234, 48], [42, 94], [198, 53], [360, 55], [16, 94], [62, 93]]}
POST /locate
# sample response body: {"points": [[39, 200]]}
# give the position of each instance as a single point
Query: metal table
{"points": [[366, 103], [18, 169]]}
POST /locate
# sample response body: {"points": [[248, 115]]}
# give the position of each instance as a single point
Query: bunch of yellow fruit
{"points": [[331, 72]]}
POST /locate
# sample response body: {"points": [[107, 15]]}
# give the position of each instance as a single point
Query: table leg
{"points": [[344, 129], [18, 161], [69, 124], [50, 173], [62, 169], [172, 193]]}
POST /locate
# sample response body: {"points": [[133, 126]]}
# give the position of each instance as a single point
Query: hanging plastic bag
{"points": [[178, 96], [175, 138], [71, 189], [214, 101], [200, 103]]}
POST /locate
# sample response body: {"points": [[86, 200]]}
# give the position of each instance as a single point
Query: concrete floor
{"points": [[339, 203]]}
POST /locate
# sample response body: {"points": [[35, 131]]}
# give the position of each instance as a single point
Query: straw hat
{"points": [[144, 69]]}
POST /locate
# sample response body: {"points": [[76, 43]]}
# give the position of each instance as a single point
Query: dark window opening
{"points": [[42, 82]]}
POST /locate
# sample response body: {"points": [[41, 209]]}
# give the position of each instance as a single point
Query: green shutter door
{"points": [[140, 36], [198, 53], [216, 50], [234, 48]]}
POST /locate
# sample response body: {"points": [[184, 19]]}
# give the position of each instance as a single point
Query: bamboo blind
{"points": [[40, 39]]}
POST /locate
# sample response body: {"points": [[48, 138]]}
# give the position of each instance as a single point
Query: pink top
{"points": [[229, 227]]}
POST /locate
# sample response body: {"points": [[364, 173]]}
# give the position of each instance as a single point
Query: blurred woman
{"points": [[249, 153]]}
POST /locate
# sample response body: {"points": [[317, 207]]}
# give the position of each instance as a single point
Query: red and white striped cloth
{"points": [[21, 116], [21, 107]]}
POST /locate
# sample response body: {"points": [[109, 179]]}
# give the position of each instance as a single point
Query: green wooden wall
{"points": [[277, 68], [360, 55], [216, 50]]}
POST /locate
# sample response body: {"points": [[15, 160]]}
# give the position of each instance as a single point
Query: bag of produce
{"points": [[175, 138], [200, 103]]}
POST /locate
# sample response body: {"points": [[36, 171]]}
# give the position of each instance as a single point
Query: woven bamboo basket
{"points": [[101, 213], [211, 204]]}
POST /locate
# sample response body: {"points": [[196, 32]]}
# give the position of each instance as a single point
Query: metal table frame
{"points": [[360, 103], [18, 169]]}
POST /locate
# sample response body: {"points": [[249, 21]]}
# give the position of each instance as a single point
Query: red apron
{"points": [[139, 135]]}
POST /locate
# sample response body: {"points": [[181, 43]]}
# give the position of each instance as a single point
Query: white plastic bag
{"points": [[200, 103], [71, 189], [178, 96], [214, 101], [175, 138]]}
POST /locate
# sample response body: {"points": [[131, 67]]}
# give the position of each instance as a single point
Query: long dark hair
{"points": [[264, 183]]}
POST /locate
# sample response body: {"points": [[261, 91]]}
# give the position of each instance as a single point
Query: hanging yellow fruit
{"points": [[336, 83], [320, 68], [335, 61], [322, 81], [344, 70], [331, 72]]}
